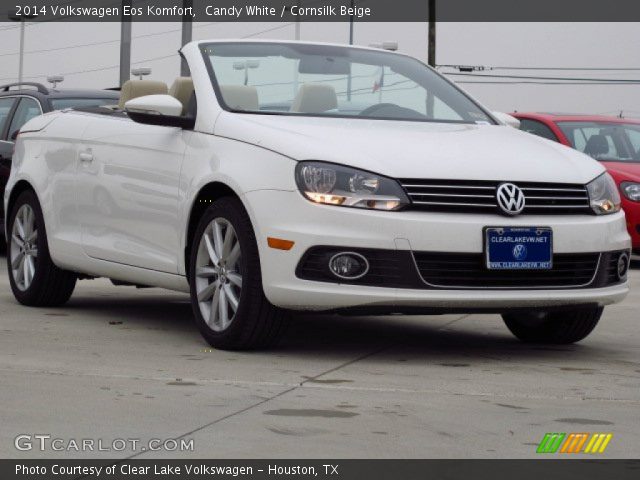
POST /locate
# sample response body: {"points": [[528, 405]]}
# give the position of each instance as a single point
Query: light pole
{"points": [[297, 29], [353, 3], [20, 18], [187, 35], [21, 64], [125, 45], [431, 53], [432, 33]]}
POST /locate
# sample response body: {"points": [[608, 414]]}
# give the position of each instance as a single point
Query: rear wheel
{"points": [[35, 280], [560, 327], [229, 304]]}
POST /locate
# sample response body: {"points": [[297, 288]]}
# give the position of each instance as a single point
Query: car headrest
{"points": [[240, 97], [596, 145], [139, 88], [182, 89], [313, 98]]}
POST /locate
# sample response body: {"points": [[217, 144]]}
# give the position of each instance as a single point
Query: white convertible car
{"points": [[294, 176]]}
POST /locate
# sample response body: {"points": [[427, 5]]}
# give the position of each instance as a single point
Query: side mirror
{"points": [[163, 110], [506, 119]]}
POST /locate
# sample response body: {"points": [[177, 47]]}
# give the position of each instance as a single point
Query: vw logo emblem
{"points": [[519, 252], [510, 198]]}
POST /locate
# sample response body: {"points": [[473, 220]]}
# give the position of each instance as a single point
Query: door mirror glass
{"points": [[162, 110]]}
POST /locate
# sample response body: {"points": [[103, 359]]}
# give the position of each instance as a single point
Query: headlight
{"points": [[603, 195], [333, 184], [631, 191]]}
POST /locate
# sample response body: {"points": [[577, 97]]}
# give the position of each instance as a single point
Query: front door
{"points": [[127, 192]]}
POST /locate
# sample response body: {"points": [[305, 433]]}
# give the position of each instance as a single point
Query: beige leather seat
{"points": [[182, 90], [240, 97], [139, 88], [315, 98]]}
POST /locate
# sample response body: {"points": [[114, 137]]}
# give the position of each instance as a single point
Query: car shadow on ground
{"points": [[311, 335], [334, 336]]}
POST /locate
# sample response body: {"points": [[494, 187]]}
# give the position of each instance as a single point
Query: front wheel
{"points": [[560, 327], [35, 280], [228, 301]]}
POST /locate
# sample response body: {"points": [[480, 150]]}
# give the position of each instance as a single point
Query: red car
{"points": [[611, 140]]}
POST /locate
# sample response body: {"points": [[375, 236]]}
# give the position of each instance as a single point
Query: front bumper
{"points": [[288, 215]]}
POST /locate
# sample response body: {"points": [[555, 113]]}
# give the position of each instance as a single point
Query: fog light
{"points": [[348, 265], [623, 265]]}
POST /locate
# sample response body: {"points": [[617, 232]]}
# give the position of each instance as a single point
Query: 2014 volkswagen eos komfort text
{"points": [[296, 176]]}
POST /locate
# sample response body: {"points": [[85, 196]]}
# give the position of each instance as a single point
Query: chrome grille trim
{"points": [[479, 196]]}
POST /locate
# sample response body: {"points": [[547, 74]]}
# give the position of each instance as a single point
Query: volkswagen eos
{"points": [[295, 176]]}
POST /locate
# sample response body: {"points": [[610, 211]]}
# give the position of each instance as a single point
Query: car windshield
{"points": [[331, 81], [62, 103], [619, 142]]}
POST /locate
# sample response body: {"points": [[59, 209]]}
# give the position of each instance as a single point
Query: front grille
{"points": [[468, 270], [470, 196]]}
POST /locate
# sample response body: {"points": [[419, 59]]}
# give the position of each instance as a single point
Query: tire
{"points": [[254, 323], [561, 327], [35, 281]]}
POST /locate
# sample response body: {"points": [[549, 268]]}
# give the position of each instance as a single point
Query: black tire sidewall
{"points": [[29, 295], [560, 327], [231, 210]]}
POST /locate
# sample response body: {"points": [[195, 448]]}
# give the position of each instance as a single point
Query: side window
{"points": [[537, 128], [27, 109], [5, 108], [587, 140], [634, 138]]}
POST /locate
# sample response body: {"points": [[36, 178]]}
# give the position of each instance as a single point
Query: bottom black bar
{"points": [[566, 469]]}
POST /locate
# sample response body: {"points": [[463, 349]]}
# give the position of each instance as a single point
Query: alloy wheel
{"points": [[218, 274], [23, 247]]}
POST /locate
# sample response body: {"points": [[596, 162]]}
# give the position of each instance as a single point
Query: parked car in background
{"points": [[410, 199], [20, 102], [613, 141]]}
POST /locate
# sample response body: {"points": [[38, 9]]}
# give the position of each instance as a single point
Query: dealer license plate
{"points": [[519, 248]]}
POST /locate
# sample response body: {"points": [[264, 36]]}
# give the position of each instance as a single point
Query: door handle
{"points": [[86, 157]]}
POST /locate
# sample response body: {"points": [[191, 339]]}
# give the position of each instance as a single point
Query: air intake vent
{"points": [[467, 270]]}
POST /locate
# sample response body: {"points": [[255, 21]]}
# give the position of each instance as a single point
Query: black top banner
{"points": [[320, 10]]}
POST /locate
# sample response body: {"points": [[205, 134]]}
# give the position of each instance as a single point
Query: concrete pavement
{"points": [[121, 363]]}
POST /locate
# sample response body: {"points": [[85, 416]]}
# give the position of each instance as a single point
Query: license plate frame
{"points": [[532, 252]]}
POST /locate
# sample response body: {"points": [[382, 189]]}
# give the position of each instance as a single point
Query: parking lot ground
{"points": [[117, 362]]}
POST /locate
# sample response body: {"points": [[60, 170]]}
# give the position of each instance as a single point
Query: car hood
{"points": [[624, 171], [414, 149]]}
